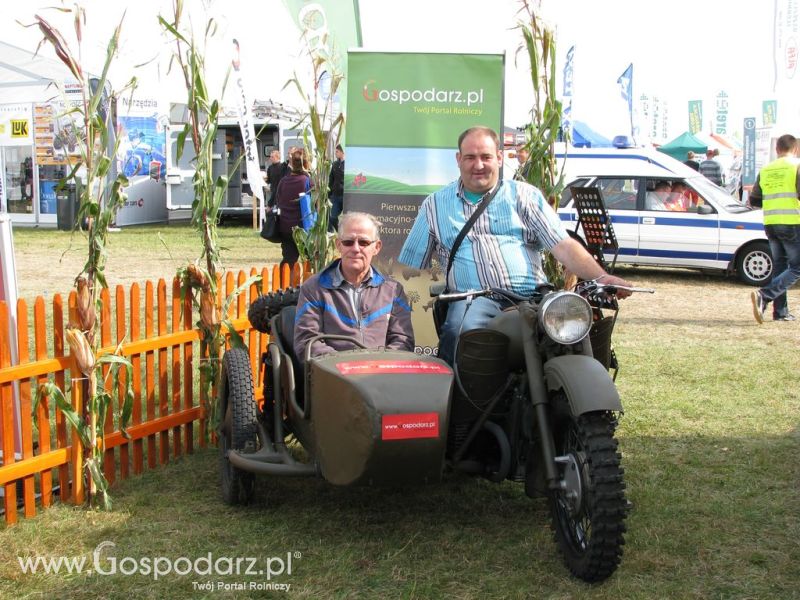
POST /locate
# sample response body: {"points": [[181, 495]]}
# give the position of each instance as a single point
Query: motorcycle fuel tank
{"points": [[380, 417]]}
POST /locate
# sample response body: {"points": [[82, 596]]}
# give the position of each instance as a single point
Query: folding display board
{"points": [[598, 232]]}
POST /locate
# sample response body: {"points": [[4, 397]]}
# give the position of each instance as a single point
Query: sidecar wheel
{"points": [[589, 514], [238, 428]]}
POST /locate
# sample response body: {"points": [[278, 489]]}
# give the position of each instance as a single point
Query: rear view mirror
{"points": [[705, 209]]}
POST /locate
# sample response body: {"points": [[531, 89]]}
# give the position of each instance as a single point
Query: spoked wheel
{"points": [[238, 428], [589, 512]]}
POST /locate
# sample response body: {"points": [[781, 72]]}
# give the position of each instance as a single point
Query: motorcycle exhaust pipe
{"points": [[479, 468], [505, 451]]}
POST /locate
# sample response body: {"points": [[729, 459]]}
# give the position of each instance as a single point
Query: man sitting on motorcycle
{"points": [[502, 249], [350, 297]]}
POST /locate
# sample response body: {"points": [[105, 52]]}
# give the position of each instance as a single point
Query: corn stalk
{"points": [[542, 132], [100, 198], [201, 281], [320, 136]]}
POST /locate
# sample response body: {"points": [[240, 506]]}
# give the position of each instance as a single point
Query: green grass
{"points": [[48, 261], [710, 446]]}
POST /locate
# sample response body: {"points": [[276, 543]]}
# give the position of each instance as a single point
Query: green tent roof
{"points": [[678, 147]]}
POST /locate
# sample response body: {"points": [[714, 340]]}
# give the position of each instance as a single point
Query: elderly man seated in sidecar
{"points": [[350, 297]]}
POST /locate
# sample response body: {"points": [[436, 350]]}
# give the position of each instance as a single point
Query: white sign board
{"points": [[8, 293]]}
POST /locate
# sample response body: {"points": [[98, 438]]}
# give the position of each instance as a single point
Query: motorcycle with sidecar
{"points": [[529, 399]]}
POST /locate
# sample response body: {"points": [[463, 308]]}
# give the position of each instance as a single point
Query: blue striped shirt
{"points": [[503, 248]]}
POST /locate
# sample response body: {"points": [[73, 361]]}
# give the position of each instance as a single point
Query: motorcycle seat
{"points": [[286, 331]]}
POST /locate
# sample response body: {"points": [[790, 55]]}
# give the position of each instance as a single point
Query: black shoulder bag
{"points": [[440, 308]]}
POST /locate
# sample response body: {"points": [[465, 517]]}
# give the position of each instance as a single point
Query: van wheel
{"points": [[754, 264]]}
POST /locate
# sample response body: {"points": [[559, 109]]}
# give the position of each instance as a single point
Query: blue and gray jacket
{"points": [[376, 313]]}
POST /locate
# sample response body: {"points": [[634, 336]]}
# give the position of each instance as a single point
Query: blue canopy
{"points": [[584, 136]]}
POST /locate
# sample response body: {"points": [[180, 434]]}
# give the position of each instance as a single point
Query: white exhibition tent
{"points": [[28, 77]]}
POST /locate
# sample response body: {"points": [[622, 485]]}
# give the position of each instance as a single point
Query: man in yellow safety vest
{"points": [[777, 190]]}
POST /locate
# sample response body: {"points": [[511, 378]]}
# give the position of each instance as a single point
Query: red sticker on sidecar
{"points": [[371, 367], [410, 426]]}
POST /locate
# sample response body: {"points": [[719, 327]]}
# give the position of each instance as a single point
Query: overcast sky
{"points": [[681, 50]]}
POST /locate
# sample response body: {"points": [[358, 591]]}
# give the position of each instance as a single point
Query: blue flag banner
{"points": [[625, 82], [566, 115], [568, 72]]}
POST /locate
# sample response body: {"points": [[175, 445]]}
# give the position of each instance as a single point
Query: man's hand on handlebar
{"points": [[611, 285], [618, 283]]}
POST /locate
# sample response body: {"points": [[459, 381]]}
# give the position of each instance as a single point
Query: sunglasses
{"points": [[361, 243]]}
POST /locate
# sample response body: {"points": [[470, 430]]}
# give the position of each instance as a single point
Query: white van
{"points": [[694, 224], [276, 129]]}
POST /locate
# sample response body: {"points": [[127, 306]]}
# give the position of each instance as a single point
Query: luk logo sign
{"points": [[19, 128]]}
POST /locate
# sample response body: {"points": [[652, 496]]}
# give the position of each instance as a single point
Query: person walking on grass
{"points": [[777, 190]]}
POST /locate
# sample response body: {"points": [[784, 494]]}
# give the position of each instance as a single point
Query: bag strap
{"points": [[463, 233]]}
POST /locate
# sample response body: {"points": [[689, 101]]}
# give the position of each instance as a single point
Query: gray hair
{"points": [[345, 218]]}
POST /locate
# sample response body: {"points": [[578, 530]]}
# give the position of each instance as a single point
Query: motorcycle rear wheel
{"points": [[589, 515]]}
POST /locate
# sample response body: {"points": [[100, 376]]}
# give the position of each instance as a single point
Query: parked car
{"points": [[666, 214]]}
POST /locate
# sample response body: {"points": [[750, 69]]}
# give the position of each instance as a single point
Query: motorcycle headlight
{"points": [[566, 317]]}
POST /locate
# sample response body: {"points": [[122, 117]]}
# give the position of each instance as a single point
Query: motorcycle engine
{"points": [[482, 369]]}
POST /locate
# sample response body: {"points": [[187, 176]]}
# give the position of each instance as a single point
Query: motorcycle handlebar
{"points": [[609, 288], [455, 296], [591, 286]]}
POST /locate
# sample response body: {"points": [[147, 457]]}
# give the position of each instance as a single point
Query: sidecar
{"points": [[360, 417]]}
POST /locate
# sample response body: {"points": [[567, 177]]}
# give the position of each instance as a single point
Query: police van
{"points": [[665, 213]]}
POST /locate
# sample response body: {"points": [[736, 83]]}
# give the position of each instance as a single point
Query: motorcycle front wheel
{"points": [[589, 511]]}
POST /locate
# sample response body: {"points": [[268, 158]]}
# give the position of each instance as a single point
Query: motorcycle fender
{"points": [[586, 383]]}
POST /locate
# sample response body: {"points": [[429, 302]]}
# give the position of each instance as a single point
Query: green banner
{"points": [[332, 23], [405, 114], [418, 100], [695, 116], [338, 18], [769, 112]]}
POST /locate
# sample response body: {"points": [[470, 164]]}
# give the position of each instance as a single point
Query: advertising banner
{"points": [[786, 52], [569, 71], [769, 112], [406, 111], [749, 152], [243, 108], [695, 116], [141, 158], [336, 21], [721, 122], [16, 126]]}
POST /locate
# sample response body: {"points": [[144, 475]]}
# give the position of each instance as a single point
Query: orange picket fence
{"points": [[42, 456]]}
